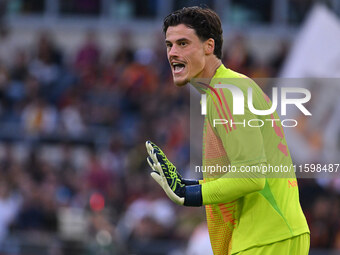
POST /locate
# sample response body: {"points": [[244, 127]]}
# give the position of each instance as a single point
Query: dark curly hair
{"points": [[204, 21]]}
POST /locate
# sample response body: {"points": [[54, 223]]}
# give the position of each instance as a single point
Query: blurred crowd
{"points": [[72, 156]]}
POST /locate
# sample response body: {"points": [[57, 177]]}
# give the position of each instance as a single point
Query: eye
{"points": [[168, 45], [183, 43]]}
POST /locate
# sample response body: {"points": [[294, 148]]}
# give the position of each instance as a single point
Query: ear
{"points": [[209, 46]]}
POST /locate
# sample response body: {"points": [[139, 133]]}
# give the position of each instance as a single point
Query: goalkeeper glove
{"points": [[158, 151], [179, 190]]}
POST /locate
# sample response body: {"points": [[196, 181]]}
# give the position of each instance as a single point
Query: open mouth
{"points": [[178, 67]]}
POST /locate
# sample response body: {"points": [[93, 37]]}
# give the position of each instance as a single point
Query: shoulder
{"points": [[224, 72]]}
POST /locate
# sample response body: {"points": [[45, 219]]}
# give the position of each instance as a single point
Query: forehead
{"points": [[179, 32]]}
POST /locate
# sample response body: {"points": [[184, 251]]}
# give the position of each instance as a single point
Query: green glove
{"points": [[179, 190]]}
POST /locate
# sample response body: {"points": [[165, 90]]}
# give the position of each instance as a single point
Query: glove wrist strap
{"points": [[189, 181], [193, 195]]}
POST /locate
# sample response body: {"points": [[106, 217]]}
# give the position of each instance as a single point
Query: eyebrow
{"points": [[178, 40]]}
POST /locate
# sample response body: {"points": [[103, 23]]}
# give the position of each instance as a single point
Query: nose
{"points": [[172, 52]]}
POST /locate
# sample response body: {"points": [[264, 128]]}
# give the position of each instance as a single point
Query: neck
{"points": [[210, 68], [207, 74]]}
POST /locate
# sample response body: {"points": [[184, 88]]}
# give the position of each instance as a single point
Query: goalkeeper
{"points": [[248, 213]]}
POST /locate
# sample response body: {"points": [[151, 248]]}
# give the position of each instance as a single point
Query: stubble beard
{"points": [[181, 83]]}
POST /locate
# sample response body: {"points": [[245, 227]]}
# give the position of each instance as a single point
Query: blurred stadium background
{"points": [[83, 84]]}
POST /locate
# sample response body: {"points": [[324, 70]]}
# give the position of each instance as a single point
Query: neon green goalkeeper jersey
{"points": [[246, 209]]}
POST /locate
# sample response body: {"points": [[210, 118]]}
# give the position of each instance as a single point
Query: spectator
{"points": [[39, 118], [9, 206]]}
